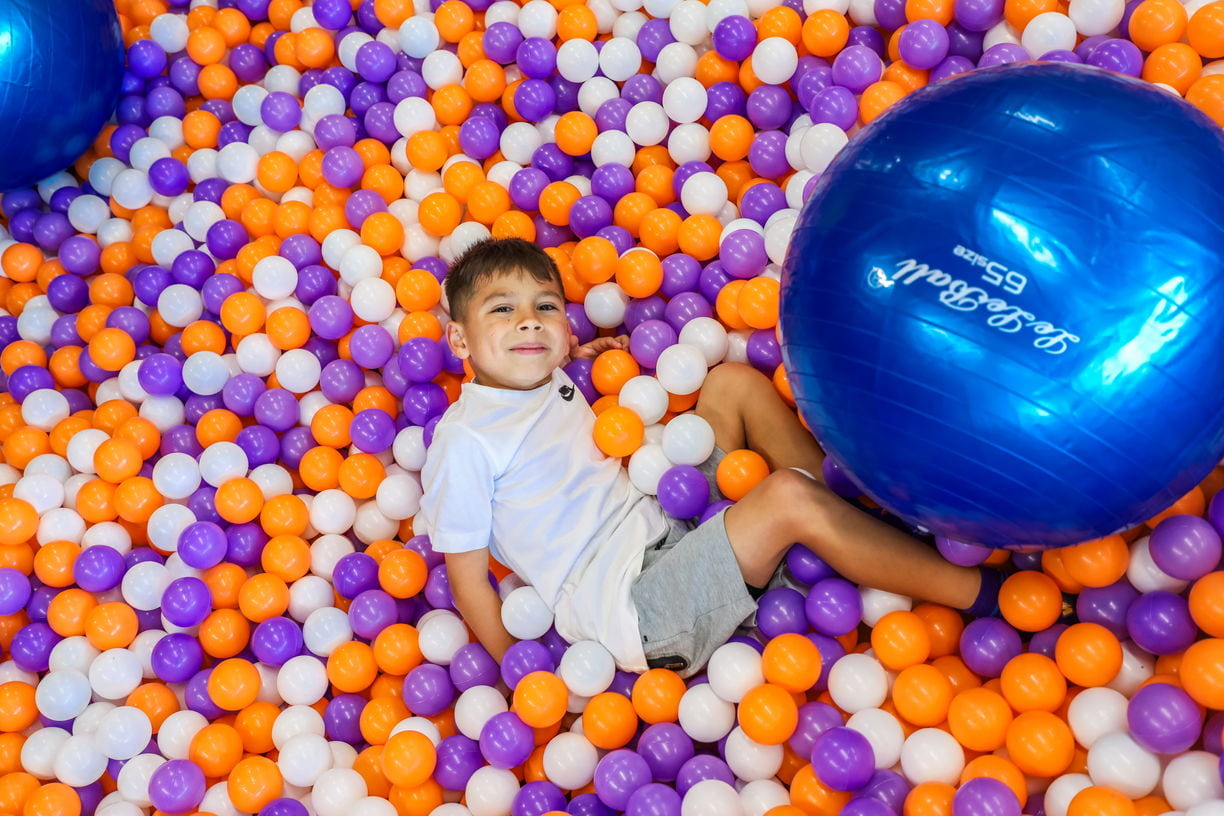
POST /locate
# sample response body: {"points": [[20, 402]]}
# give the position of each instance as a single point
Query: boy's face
{"points": [[514, 333]]}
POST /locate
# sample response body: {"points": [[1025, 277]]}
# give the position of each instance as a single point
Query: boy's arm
{"points": [[477, 600]]}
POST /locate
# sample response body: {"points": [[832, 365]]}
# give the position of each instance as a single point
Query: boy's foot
{"points": [[987, 603]]}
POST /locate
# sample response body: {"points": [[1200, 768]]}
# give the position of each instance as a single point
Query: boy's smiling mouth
{"points": [[530, 348]]}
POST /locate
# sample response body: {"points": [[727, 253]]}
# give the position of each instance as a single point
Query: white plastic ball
{"points": [[681, 368], [490, 791], [304, 758], [858, 681], [1094, 17], [645, 397], [688, 440], [116, 673], [774, 60], [646, 123], [1192, 778], [302, 680], [205, 373], [1117, 761], [877, 603], [704, 715], [40, 749], [441, 68], [180, 305], [1143, 573], [883, 731], [72, 654], [333, 511], [62, 695], [676, 60], [684, 99], [177, 731], [44, 408], [476, 706], [41, 490], [441, 636], [1095, 712], [1048, 31], [337, 790], [298, 370], [734, 670], [749, 760], [1062, 790], [143, 585], [605, 305], [821, 144], [123, 733], [711, 797], [538, 18], [647, 465], [703, 194], [577, 60], [587, 668], [256, 355], [134, 778], [373, 300], [932, 755], [570, 760]]}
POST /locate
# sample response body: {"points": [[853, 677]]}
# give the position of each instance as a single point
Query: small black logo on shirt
{"points": [[567, 393]]}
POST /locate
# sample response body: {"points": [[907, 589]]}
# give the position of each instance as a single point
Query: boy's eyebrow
{"points": [[509, 293]]}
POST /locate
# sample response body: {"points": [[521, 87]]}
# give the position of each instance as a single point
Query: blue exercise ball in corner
{"points": [[1001, 307], [61, 64]]}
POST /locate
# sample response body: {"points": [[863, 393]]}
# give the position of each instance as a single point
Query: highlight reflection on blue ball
{"points": [[61, 64], [1001, 307]]}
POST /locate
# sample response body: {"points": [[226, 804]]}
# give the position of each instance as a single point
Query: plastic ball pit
{"points": [[211, 597]]}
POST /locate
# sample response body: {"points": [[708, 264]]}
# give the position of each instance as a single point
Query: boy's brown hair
{"points": [[492, 257]]}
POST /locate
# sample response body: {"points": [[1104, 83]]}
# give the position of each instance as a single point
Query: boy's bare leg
{"points": [[788, 507], [746, 411]]}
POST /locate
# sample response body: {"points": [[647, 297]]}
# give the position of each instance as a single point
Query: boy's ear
{"points": [[456, 340]]}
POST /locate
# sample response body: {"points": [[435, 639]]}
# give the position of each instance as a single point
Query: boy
{"points": [[513, 470]]}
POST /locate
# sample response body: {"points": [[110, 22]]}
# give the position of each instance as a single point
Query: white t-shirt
{"points": [[518, 472]]}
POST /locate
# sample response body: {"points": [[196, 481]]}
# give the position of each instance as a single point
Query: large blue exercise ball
{"points": [[1001, 308], [61, 66]]}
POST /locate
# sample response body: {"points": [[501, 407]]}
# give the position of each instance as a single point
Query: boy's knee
{"points": [[791, 492], [731, 377]]}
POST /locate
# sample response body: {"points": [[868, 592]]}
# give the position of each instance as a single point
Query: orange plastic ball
{"points": [[979, 719], [900, 640], [1088, 654], [1202, 672], [1030, 601], [1207, 604], [609, 721], [408, 759], [1098, 800], [540, 699], [922, 695], [1157, 22], [1205, 31], [656, 695], [618, 431], [1040, 743], [1033, 682], [233, 684], [768, 714], [253, 783], [791, 661], [739, 472]]}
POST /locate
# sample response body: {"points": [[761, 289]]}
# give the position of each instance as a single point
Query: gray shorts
{"points": [[691, 596]]}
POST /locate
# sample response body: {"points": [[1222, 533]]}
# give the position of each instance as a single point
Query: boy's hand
{"points": [[591, 350]]}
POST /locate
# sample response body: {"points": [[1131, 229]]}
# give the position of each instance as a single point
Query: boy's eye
{"points": [[501, 309], [552, 307]]}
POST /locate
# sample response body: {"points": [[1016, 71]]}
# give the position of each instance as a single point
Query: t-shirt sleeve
{"points": [[457, 508]]}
